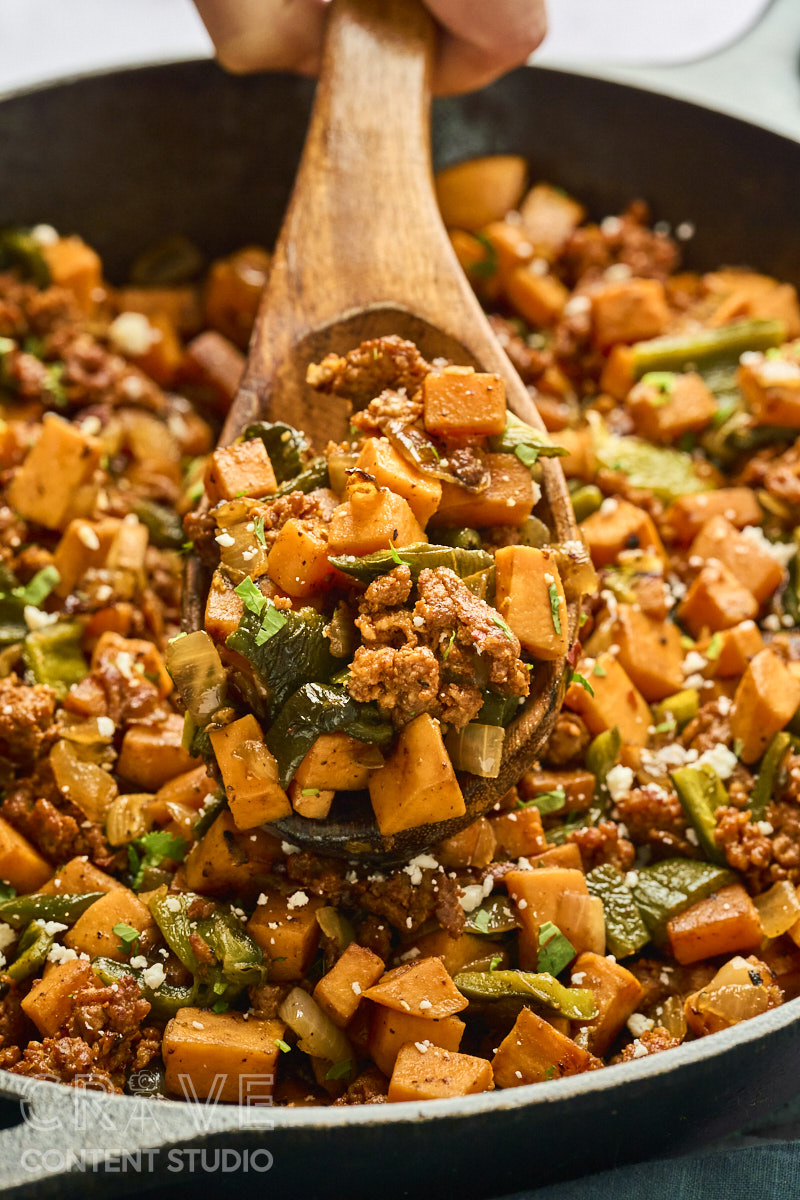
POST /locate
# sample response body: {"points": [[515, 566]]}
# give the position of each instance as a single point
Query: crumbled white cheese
{"points": [[105, 727], [617, 272], [782, 552], [415, 867], [198, 1025], [691, 836], [356, 986], [225, 540], [424, 1005], [631, 878], [471, 897], [765, 828], [619, 781], [36, 619], [578, 978], [138, 962], [576, 306], [131, 333], [154, 976], [724, 704], [52, 927], [638, 1024], [694, 662], [44, 235], [423, 1047], [297, 900], [720, 759], [685, 231], [640, 1050], [173, 904], [7, 935], [772, 622], [60, 954], [88, 536]]}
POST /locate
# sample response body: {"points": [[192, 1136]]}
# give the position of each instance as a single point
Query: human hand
{"points": [[477, 41]]}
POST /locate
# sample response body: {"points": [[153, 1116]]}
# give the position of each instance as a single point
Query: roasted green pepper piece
{"points": [[286, 446], [601, 756], [19, 249], [497, 709], [667, 472], [585, 501], [669, 887], [53, 655], [66, 908], [314, 476], [701, 792], [575, 1003], [298, 651], [163, 524], [32, 951], [678, 710], [519, 433], [482, 584], [494, 916], [164, 1002], [768, 777], [705, 348], [462, 539], [367, 567], [626, 932], [317, 708]]}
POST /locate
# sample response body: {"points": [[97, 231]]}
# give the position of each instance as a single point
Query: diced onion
{"points": [[581, 919], [336, 927], [477, 749], [241, 552], [88, 732], [128, 818], [339, 463], [778, 909], [196, 668], [317, 1034], [84, 784], [257, 760], [672, 1017]]}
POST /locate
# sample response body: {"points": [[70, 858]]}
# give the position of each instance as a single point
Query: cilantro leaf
{"points": [[252, 597], [449, 647], [339, 1070], [581, 680], [401, 562], [555, 606], [500, 623], [128, 936], [258, 530], [481, 920], [271, 622], [555, 951], [546, 802]]}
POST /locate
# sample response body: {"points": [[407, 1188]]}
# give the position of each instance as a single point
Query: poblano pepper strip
{"points": [[165, 1001], [519, 433], [668, 888], [705, 348], [239, 961], [493, 986], [314, 476], [701, 792], [418, 557], [298, 651], [53, 655], [626, 931], [18, 911], [317, 708], [767, 783], [32, 951]]}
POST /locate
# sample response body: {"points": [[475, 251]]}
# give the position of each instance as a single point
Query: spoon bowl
{"points": [[363, 253]]}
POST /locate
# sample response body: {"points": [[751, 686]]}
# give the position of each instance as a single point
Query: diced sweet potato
{"points": [[286, 929], [227, 860], [417, 784], [630, 310], [509, 246], [716, 600], [180, 303], [754, 567], [298, 560], [472, 847], [233, 292], [665, 416], [151, 755], [189, 789], [618, 374], [390, 470], [139, 655], [616, 527], [616, 701], [530, 597], [539, 299], [538, 897], [568, 856], [422, 989], [732, 649], [20, 864], [390, 1030], [721, 924], [534, 1051], [163, 357], [77, 267], [581, 461], [249, 774], [742, 988], [221, 1056], [49, 1003], [83, 544], [650, 651], [462, 953], [686, 515], [433, 1074], [371, 519], [93, 932], [224, 607], [339, 991], [213, 362], [577, 785], [507, 500], [480, 190], [56, 481], [743, 293], [616, 993], [549, 217], [519, 834], [243, 469], [339, 762], [311, 802], [459, 401], [767, 697], [772, 389], [79, 876]]}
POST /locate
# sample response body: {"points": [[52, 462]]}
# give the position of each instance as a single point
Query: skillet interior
{"points": [[125, 158]]}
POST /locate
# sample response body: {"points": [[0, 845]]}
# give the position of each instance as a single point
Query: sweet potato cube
{"points": [[148, 661], [233, 292], [371, 519], [460, 401], [20, 864], [311, 802], [49, 1003], [549, 217], [55, 482], [716, 600], [180, 303], [619, 526], [530, 597], [79, 876], [213, 362], [151, 755], [664, 416], [227, 860], [339, 991], [221, 1056], [618, 374], [567, 855], [519, 834], [753, 566], [480, 190], [433, 1074], [534, 1051], [224, 607], [460, 953], [243, 469], [650, 651], [507, 500], [766, 699], [77, 267], [189, 789], [390, 1030], [577, 785], [539, 299], [732, 649], [546, 895], [163, 357], [724, 923], [339, 762], [298, 560], [630, 310], [616, 992], [422, 988], [390, 470], [772, 389], [93, 933], [83, 544], [470, 847], [686, 515], [417, 784], [286, 929], [616, 701], [509, 246], [581, 461], [249, 774]]}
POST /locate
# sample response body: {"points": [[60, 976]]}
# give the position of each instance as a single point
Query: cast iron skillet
{"points": [[128, 157]]}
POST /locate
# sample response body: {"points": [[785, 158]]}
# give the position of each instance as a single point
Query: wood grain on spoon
{"points": [[363, 253]]}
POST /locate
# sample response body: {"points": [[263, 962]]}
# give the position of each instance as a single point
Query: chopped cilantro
{"points": [[581, 680], [599, 670], [401, 562], [339, 1070], [555, 951], [258, 530], [555, 606], [449, 647], [271, 623], [546, 802], [666, 726], [495, 963], [662, 381], [550, 1072], [583, 620], [738, 747], [310, 792], [481, 921], [486, 266], [150, 849], [500, 623], [128, 936], [39, 587], [254, 600], [220, 1006], [283, 1046]]}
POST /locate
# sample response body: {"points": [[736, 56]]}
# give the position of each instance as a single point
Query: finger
{"points": [[480, 41], [266, 35]]}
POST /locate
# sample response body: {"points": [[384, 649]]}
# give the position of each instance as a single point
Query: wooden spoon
{"points": [[363, 253]]}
